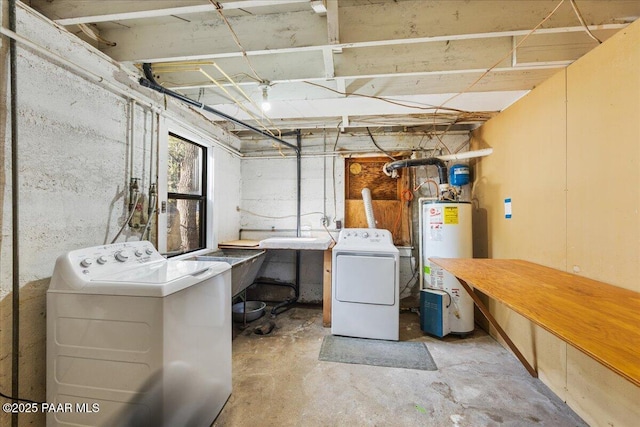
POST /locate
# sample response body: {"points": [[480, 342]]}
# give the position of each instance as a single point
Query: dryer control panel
{"points": [[373, 236]]}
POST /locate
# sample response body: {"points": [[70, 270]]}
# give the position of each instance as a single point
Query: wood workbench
{"points": [[601, 320]]}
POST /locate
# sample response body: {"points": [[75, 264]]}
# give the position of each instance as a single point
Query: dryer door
{"points": [[365, 279]]}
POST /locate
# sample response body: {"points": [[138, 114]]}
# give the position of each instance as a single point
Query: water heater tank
{"points": [[446, 233]]}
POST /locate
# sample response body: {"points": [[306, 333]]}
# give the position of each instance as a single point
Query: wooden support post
{"points": [[494, 323]]}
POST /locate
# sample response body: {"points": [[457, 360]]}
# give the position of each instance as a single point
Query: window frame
{"points": [[203, 198]]}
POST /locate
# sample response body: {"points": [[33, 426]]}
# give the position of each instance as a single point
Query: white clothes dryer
{"points": [[365, 289], [134, 338]]}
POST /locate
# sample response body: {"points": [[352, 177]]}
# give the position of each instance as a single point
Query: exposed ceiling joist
{"points": [[333, 24], [345, 64], [174, 11], [154, 51], [531, 69]]}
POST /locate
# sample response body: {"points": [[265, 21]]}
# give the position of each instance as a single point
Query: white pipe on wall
{"points": [[117, 89], [466, 155]]}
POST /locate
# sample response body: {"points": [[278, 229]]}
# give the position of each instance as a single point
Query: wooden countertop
{"points": [[239, 244], [599, 319]]}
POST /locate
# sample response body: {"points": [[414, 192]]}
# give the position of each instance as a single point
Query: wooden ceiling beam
{"points": [[151, 46], [172, 11]]}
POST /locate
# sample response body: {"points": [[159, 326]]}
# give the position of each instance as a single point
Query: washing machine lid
{"points": [[157, 273], [158, 279]]}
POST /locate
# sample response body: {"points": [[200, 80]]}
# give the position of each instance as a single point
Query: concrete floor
{"points": [[279, 381]]}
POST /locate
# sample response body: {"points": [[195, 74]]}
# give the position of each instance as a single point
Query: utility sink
{"points": [[245, 264], [301, 243]]}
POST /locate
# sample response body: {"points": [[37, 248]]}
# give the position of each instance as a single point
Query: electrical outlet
{"points": [[338, 224]]}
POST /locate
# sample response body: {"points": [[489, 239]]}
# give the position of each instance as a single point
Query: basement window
{"points": [[186, 195]]}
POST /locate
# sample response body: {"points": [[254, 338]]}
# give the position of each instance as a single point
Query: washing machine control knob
{"points": [[138, 253], [365, 234], [87, 262], [149, 251], [122, 256], [102, 260]]}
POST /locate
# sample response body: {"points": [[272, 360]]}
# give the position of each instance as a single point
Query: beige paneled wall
{"points": [[603, 199], [528, 166], [568, 155], [603, 168]]}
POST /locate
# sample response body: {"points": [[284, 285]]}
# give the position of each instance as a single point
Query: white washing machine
{"points": [[135, 339], [365, 290]]}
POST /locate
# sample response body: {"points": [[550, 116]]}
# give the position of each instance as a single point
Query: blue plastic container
{"points": [[459, 175]]}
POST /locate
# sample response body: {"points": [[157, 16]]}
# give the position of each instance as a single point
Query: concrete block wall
{"points": [[268, 203], [76, 157]]}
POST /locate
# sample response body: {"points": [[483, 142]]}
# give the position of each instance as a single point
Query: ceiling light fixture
{"points": [[319, 7], [266, 105]]}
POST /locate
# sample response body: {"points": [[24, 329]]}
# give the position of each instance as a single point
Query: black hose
{"points": [[378, 147], [286, 304], [408, 163], [151, 83]]}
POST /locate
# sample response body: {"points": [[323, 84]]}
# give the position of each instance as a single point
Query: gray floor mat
{"points": [[393, 354]]}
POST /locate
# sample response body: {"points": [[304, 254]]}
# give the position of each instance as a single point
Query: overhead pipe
{"points": [[150, 82], [117, 89], [408, 163], [467, 154], [319, 154]]}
